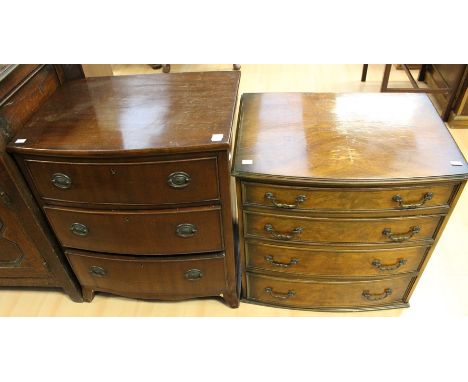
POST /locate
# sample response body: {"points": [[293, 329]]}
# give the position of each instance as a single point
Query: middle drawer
{"points": [[328, 230], [176, 231], [333, 261]]}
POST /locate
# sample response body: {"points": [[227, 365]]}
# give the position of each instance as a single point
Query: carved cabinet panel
{"points": [[19, 256]]}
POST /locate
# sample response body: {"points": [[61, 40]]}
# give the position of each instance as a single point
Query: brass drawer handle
{"points": [[97, 271], [282, 236], [281, 296], [282, 265], [391, 267], [272, 198], [178, 179], [401, 236], [61, 181], [186, 230], [193, 274], [397, 198], [79, 229], [375, 297]]}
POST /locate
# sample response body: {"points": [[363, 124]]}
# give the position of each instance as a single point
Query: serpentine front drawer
{"points": [[285, 228], [173, 231], [335, 295], [420, 199], [333, 261]]}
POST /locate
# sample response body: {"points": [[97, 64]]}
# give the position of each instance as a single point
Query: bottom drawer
{"points": [[330, 295], [172, 278]]}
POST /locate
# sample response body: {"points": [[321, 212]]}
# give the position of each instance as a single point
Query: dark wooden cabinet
{"points": [[341, 197], [29, 254], [132, 174]]}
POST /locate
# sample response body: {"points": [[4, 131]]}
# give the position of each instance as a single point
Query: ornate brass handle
{"points": [[397, 198], [375, 297], [79, 229], [281, 296], [97, 271], [282, 265], [272, 198], [193, 274], [62, 181], [178, 179], [401, 236], [391, 267], [186, 230], [282, 236]]}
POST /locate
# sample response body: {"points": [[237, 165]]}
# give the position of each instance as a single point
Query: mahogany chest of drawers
{"points": [[341, 197], [132, 174]]}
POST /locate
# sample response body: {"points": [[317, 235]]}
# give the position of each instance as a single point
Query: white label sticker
{"points": [[217, 137], [247, 161], [22, 140], [456, 163]]}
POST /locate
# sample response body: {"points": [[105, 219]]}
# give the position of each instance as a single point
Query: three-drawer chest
{"points": [[341, 197], [132, 174]]}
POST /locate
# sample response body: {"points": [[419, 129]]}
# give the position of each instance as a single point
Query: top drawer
{"points": [[347, 199], [132, 183]]}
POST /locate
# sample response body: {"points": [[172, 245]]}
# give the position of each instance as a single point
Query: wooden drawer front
{"points": [[313, 294], [144, 183], [339, 199], [333, 262], [301, 229], [150, 277], [139, 232]]}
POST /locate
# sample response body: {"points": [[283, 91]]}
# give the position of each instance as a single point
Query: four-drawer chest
{"points": [[341, 197], [132, 174]]}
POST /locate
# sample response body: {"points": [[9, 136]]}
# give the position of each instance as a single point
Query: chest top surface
{"points": [[134, 114], [355, 137]]}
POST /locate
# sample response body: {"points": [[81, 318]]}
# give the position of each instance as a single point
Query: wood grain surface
{"points": [[344, 138], [139, 232], [135, 114]]}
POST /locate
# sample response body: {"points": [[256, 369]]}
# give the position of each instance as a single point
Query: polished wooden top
{"points": [[134, 114], [355, 137]]}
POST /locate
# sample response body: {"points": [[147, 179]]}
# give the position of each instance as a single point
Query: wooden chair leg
{"points": [[422, 72], [451, 97], [386, 76], [364, 72], [236, 66], [166, 68]]}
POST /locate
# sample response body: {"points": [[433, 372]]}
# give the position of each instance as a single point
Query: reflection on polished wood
{"points": [[138, 114], [346, 137], [446, 274]]}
